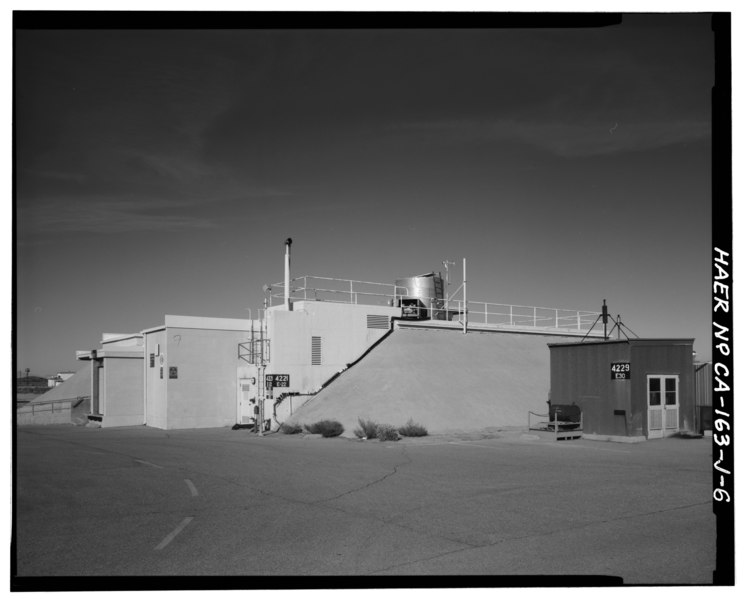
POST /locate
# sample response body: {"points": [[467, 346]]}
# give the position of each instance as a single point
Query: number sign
{"points": [[277, 380], [620, 370]]}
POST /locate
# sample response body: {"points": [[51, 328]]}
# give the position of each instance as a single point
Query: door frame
{"points": [[240, 382], [668, 412]]}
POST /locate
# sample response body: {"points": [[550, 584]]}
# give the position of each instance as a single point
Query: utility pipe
{"points": [[287, 272]]}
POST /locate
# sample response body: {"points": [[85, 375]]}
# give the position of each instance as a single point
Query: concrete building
{"points": [[59, 378], [190, 372], [116, 391], [634, 388], [314, 342], [465, 362]]}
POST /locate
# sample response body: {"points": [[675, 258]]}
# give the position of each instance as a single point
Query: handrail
{"points": [[49, 401], [479, 312]]}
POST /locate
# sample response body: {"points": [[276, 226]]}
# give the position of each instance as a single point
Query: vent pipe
{"points": [[287, 272]]}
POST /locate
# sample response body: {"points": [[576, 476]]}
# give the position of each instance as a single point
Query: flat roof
{"points": [[202, 322], [208, 322], [649, 341]]}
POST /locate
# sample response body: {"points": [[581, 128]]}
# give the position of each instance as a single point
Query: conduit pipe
{"points": [[287, 272]]}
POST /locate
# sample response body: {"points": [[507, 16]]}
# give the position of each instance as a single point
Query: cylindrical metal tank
{"points": [[422, 291], [425, 287]]}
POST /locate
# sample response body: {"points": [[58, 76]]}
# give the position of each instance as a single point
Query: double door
{"points": [[663, 405]]}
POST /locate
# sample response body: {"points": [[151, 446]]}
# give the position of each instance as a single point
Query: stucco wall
{"points": [[344, 333], [155, 386], [204, 392], [122, 399]]}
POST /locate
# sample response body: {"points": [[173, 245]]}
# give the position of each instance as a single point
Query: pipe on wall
{"points": [[287, 272]]}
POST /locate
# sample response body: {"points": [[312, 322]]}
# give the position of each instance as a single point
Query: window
{"points": [[670, 391], [654, 392]]}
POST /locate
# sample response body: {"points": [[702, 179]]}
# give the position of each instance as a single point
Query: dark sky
{"points": [[159, 172]]}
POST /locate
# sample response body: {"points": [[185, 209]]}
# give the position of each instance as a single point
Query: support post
{"points": [[464, 293], [94, 383]]}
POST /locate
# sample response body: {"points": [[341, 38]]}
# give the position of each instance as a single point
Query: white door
{"points": [[247, 392], [663, 405]]}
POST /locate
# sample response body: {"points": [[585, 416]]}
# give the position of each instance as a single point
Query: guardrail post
{"points": [[535, 317], [556, 318], [511, 314]]}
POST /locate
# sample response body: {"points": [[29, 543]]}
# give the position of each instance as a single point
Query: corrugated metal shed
{"points": [[704, 396], [615, 403]]}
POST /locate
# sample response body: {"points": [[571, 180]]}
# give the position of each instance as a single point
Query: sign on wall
{"points": [[277, 380], [173, 372], [620, 370]]}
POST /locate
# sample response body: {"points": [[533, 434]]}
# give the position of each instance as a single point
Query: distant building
{"points": [[59, 378], [31, 384]]}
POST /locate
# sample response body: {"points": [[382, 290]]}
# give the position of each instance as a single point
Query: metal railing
{"points": [[489, 314], [529, 316], [559, 427], [345, 291], [50, 405]]}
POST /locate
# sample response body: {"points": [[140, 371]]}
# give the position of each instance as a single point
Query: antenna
{"points": [[604, 318], [446, 264], [618, 325]]}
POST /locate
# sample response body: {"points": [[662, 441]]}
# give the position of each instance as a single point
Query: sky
{"points": [[160, 171]]}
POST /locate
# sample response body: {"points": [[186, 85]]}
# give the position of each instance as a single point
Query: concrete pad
{"points": [[122, 502], [614, 438]]}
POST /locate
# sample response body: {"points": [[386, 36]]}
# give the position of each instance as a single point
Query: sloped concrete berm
{"points": [[443, 379]]}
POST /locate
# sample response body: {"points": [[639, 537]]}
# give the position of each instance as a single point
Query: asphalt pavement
{"points": [[219, 502]]}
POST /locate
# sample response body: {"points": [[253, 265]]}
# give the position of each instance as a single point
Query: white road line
{"points": [[170, 537], [192, 488], [149, 464]]}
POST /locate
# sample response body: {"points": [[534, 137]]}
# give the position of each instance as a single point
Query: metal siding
{"points": [[666, 358], [580, 374], [704, 384], [703, 397]]}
